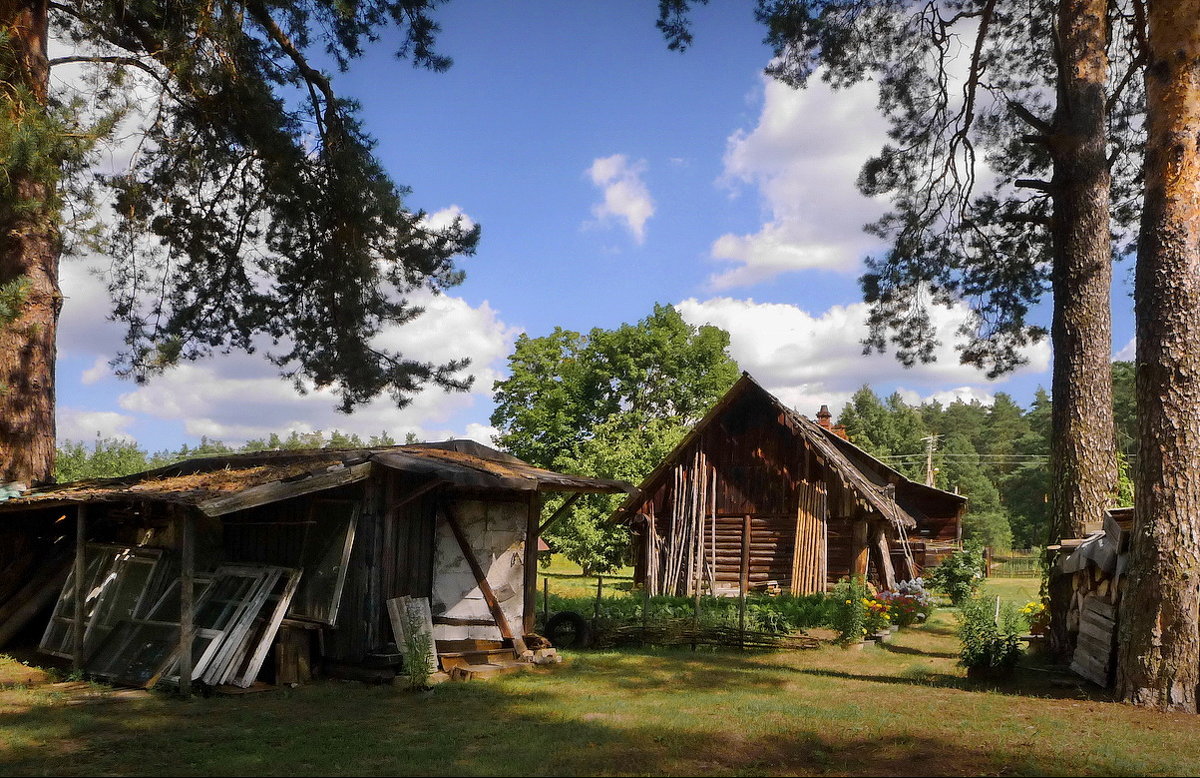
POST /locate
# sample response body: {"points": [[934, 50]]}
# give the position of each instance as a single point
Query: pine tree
{"points": [[253, 217]]}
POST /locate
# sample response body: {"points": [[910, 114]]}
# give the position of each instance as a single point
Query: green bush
{"points": [[959, 575], [778, 615], [850, 609], [990, 638]]}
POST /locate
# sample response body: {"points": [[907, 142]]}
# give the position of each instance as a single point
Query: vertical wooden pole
{"points": [[858, 546], [534, 519], [187, 604], [645, 612], [745, 582], [80, 594]]}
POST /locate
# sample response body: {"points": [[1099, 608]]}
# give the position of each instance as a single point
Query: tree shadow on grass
{"points": [[1022, 684], [893, 648], [518, 726]]}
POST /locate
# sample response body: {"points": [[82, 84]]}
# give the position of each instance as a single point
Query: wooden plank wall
{"points": [[358, 630], [755, 466]]}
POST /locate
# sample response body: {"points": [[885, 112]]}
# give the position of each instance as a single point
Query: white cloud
{"points": [[237, 397], [803, 157], [79, 424], [441, 219], [626, 198], [1128, 352], [812, 359]]}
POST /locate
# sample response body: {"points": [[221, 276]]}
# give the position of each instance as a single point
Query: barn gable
{"points": [[758, 496]]}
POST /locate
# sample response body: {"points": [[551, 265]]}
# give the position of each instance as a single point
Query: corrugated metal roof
{"points": [[215, 484]]}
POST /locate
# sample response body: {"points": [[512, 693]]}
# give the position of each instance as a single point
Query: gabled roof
{"points": [[876, 485], [223, 484]]}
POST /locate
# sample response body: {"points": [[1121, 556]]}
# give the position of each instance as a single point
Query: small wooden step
{"points": [[484, 671], [455, 659]]}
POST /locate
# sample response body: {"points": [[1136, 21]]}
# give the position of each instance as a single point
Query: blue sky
{"points": [[608, 174]]}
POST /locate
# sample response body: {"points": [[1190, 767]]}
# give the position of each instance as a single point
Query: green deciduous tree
{"points": [[610, 403], [252, 214]]}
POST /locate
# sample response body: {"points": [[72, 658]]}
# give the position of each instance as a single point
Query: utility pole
{"points": [[930, 442]]}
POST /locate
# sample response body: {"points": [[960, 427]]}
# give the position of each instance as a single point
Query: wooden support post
{"points": [[80, 594], [533, 519], [887, 575], [187, 604], [744, 585], [645, 611], [481, 580], [599, 594], [858, 547]]}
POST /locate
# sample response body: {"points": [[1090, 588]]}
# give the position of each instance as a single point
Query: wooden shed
{"points": [[757, 496], [206, 569]]}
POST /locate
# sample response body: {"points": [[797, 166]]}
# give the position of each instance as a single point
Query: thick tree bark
{"points": [[29, 250], [1083, 462], [1159, 662]]}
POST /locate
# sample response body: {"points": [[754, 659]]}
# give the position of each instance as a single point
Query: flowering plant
{"points": [[1037, 616], [849, 614], [878, 617], [909, 604]]}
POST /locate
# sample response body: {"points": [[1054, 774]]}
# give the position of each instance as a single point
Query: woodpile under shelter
{"points": [[223, 570], [757, 496], [1096, 565]]}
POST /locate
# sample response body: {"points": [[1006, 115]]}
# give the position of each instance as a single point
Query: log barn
{"points": [[279, 564], [757, 496]]}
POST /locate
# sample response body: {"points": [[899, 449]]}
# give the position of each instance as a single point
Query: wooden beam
{"points": [[533, 519], [283, 490], [558, 514], [887, 575], [80, 594], [481, 580], [187, 603], [859, 558]]}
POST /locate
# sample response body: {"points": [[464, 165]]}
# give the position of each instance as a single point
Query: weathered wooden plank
{"points": [[77, 626], [186, 523], [859, 556], [283, 490], [532, 533]]}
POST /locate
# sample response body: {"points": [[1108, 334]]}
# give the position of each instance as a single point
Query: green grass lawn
{"points": [[903, 708]]}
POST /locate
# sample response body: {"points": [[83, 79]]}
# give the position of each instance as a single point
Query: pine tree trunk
{"points": [[1159, 662], [29, 251], [1083, 458]]}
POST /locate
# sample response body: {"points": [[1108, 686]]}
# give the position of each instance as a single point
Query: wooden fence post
{"points": [[745, 582]]}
